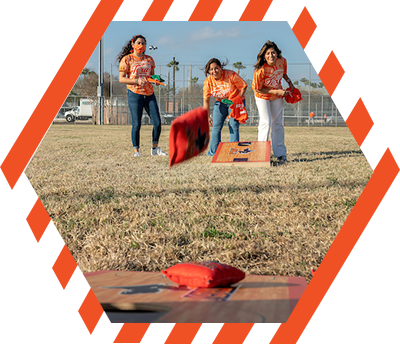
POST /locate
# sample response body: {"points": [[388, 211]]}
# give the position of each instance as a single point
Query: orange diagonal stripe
{"points": [[304, 27], [255, 10], [64, 266], [233, 333], [331, 73], [205, 10], [38, 219], [183, 334], [157, 10], [131, 333], [38, 124], [369, 200], [359, 122], [91, 311]]}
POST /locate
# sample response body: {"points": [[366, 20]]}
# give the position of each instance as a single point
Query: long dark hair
{"points": [[261, 55], [126, 50], [211, 61]]}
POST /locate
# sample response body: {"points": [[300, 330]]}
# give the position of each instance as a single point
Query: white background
{"points": [[363, 302]]}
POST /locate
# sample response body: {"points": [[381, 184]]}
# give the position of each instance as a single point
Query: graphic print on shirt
{"points": [[221, 91], [141, 71], [136, 68], [274, 79], [228, 86]]}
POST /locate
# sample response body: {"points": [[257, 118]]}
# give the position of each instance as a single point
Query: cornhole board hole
{"points": [[248, 154], [144, 297]]}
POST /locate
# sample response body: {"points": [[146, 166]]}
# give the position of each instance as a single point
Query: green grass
{"points": [[118, 212]]}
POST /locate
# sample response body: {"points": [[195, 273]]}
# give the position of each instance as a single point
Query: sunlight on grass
{"points": [[117, 212]]}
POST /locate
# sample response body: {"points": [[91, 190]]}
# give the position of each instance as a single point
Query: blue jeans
{"points": [[220, 112], [138, 102]]}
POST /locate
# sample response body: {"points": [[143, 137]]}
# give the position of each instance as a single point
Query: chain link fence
{"points": [[183, 92]]}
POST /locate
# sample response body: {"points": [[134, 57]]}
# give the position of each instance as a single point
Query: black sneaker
{"points": [[282, 158]]}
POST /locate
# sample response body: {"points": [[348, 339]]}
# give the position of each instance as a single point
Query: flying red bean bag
{"points": [[189, 136], [204, 274], [293, 96]]}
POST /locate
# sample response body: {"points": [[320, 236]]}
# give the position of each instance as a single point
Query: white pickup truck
{"points": [[82, 112]]}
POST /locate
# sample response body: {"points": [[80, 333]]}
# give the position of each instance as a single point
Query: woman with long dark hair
{"points": [[270, 68], [135, 69], [222, 84]]}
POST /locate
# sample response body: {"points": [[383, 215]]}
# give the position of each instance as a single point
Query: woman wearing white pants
{"points": [[270, 68]]}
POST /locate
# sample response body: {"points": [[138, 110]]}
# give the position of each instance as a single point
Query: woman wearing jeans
{"points": [[270, 68], [134, 70], [222, 84]]}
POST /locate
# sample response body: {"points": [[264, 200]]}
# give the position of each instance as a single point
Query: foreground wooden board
{"points": [[247, 154], [130, 296]]}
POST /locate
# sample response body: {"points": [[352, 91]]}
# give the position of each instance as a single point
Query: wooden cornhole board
{"points": [[248, 154], [145, 297]]}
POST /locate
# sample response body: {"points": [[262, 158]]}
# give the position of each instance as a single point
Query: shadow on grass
{"points": [[320, 156], [107, 197]]}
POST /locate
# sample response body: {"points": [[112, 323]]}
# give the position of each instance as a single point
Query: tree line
{"points": [[87, 83]]}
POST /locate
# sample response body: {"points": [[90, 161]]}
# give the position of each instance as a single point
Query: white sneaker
{"points": [[158, 151], [137, 154]]}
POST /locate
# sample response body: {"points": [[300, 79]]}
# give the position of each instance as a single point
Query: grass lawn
{"points": [[117, 212]]}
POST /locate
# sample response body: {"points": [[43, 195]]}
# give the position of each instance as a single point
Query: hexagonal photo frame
{"points": [[64, 267]]}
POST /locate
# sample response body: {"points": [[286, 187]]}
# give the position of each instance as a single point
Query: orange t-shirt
{"points": [[135, 67], [271, 77], [312, 114], [228, 86]]}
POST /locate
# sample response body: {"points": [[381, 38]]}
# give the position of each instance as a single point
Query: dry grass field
{"points": [[117, 212]]}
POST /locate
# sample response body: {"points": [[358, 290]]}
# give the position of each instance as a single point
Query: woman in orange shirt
{"points": [[135, 68], [270, 68], [222, 84]]}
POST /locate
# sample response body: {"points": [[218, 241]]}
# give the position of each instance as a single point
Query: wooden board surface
{"points": [[247, 154], [129, 296]]}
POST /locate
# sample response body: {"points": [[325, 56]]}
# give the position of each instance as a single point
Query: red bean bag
{"points": [[204, 274], [189, 136], [293, 96]]}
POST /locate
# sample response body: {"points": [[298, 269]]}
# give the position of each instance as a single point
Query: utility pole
{"points": [[173, 83], [309, 88], [111, 91], [168, 92], [100, 89], [190, 79]]}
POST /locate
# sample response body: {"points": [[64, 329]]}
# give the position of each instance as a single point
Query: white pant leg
{"points": [[264, 123], [277, 130]]}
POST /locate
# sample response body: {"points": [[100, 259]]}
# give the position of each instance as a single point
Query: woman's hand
{"points": [[142, 81], [281, 93], [206, 106]]}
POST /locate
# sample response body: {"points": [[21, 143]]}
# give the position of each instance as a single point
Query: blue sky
{"points": [[194, 43]]}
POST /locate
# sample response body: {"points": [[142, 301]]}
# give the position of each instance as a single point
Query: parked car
{"points": [[167, 118]]}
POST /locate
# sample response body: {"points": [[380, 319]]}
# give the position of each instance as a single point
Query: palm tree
{"points": [[305, 81], [238, 66], [85, 71], [174, 64]]}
